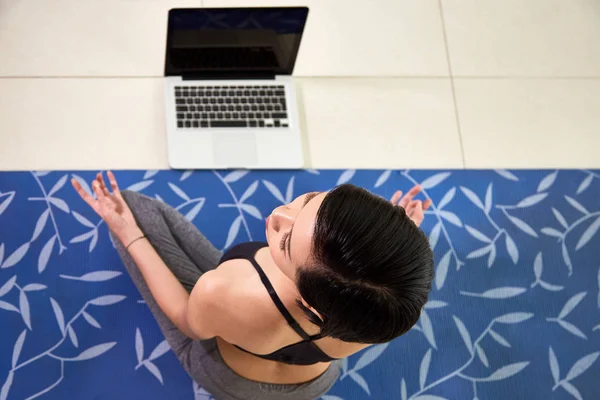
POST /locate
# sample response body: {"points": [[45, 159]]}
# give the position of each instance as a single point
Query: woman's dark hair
{"points": [[370, 271]]}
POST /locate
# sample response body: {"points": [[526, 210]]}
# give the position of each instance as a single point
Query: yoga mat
{"points": [[514, 312]]}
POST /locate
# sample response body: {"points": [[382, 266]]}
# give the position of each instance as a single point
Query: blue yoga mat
{"points": [[514, 312]]}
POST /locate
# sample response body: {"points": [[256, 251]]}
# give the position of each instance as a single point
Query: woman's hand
{"points": [[111, 207], [415, 209]]}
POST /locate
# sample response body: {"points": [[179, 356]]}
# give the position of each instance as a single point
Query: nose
{"points": [[282, 218]]}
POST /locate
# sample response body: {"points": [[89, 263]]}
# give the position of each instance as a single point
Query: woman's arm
{"points": [[168, 292], [170, 295]]}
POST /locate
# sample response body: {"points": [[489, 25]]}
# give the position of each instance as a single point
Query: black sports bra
{"points": [[304, 352]]}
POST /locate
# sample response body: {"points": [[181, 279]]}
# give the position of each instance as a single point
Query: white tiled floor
{"points": [[403, 83], [529, 123], [532, 38]]}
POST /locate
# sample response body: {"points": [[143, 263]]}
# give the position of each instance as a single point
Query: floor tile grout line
{"points": [[456, 115]]}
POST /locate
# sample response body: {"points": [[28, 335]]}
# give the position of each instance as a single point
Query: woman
{"points": [[340, 270]]}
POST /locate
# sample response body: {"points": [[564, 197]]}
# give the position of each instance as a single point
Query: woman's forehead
{"points": [[304, 227]]}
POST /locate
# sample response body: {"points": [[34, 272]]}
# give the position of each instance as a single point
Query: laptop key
{"points": [[279, 115], [279, 93], [180, 101], [227, 115], [182, 108], [204, 115], [277, 124], [197, 100], [220, 115], [204, 124], [261, 123], [196, 115], [192, 108], [253, 124], [212, 115], [195, 124], [180, 124], [228, 124], [188, 115], [188, 124], [230, 108]]}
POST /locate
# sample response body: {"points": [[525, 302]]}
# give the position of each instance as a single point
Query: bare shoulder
{"points": [[225, 301]]}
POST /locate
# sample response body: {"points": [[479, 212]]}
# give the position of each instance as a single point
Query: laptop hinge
{"points": [[222, 76]]}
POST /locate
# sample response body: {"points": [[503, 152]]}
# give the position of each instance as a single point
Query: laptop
{"points": [[230, 98]]}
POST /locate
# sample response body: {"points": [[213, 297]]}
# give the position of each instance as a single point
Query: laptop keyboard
{"points": [[231, 106]]}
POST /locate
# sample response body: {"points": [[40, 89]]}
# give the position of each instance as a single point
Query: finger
{"points": [[100, 194], [418, 214], [410, 195], [411, 207], [84, 195], [113, 184], [427, 204], [397, 195], [100, 179]]}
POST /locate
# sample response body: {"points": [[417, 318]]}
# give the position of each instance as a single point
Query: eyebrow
{"points": [[307, 199]]}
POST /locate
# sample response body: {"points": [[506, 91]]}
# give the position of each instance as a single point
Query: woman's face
{"points": [[290, 230]]}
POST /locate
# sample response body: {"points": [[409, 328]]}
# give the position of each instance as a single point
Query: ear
{"points": [[311, 309]]}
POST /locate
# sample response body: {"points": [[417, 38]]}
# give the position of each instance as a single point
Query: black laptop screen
{"points": [[232, 42]]}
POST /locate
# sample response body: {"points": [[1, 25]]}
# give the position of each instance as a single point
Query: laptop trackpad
{"points": [[235, 149]]}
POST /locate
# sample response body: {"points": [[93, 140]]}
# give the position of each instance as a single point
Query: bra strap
{"points": [[278, 303]]}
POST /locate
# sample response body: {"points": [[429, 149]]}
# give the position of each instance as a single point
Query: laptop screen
{"points": [[230, 42]]}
